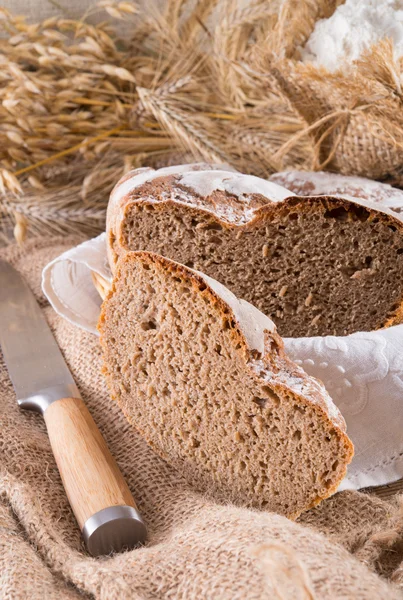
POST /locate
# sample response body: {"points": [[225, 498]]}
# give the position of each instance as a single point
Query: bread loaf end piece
{"points": [[204, 378]]}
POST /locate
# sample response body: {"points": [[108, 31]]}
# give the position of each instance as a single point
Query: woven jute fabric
{"points": [[349, 547], [355, 121]]}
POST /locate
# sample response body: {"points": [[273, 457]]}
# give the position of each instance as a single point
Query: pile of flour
{"points": [[354, 27]]}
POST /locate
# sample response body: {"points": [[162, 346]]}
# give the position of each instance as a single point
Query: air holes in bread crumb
{"points": [[349, 271], [214, 227], [271, 395], [356, 213], [339, 214], [173, 311], [332, 433], [261, 402], [150, 324], [143, 368], [324, 476], [215, 239], [360, 213]]}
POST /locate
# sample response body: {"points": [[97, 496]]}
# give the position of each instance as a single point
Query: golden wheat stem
{"points": [[49, 159], [89, 102], [222, 116]]}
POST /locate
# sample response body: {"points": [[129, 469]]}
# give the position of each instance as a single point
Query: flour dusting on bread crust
{"points": [[137, 177], [204, 183], [366, 192]]}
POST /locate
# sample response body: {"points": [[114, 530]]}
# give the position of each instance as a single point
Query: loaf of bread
{"points": [[204, 378], [316, 265]]}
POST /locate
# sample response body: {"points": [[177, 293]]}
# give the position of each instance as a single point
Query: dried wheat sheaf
{"points": [[82, 103]]}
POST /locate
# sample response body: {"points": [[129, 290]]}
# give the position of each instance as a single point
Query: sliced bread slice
{"points": [[316, 265], [204, 378]]}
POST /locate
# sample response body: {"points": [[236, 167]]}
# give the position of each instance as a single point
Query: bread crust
{"points": [[319, 401]]}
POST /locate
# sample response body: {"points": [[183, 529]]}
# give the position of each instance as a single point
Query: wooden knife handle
{"points": [[91, 477]]}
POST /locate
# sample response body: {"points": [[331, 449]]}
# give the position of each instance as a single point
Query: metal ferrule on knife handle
{"points": [[39, 402], [99, 496]]}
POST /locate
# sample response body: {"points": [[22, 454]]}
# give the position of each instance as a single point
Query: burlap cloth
{"points": [[349, 547]]}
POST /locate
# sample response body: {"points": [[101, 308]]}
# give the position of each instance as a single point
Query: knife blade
{"points": [[99, 496], [34, 362]]}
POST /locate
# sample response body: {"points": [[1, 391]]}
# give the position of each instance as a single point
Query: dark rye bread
{"points": [[204, 378], [315, 265]]}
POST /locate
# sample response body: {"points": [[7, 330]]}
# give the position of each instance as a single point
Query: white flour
{"points": [[354, 27]]}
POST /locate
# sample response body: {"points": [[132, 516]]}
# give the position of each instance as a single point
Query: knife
{"points": [[99, 496]]}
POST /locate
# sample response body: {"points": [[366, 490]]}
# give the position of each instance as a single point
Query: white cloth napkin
{"points": [[363, 372]]}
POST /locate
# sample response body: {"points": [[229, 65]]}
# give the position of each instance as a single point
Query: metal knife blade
{"points": [[35, 364]]}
